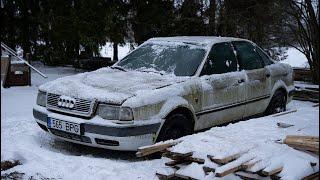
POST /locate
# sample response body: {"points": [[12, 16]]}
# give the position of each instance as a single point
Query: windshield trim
{"points": [[197, 72]]}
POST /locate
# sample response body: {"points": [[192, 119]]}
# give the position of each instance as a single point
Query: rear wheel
{"points": [[175, 126], [277, 103]]}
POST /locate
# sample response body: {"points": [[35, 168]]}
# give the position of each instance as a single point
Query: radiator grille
{"points": [[81, 107]]}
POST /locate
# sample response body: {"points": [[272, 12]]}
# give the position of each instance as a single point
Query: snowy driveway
{"points": [[43, 156]]}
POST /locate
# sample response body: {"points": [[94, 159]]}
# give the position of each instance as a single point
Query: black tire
{"points": [[175, 126], [277, 103]]}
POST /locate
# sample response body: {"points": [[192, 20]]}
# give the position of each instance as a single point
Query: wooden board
{"points": [[185, 157], [305, 148], [207, 169], [272, 171], [164, 176], [181, 154], [229, 171], [147, 150], [250, 176], [285, 112], [175, 162], [310, 143], [314, 176], [249, 164], [224, 160], [184, 177], [311, 138]]}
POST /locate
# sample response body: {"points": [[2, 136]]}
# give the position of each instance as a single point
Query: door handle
{"points": [[241, 81]]}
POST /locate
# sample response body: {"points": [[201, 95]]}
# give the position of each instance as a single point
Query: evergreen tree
{"points": [[151, 19]]}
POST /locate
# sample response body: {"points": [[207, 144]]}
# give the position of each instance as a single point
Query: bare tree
{"points": [[305, 28]]}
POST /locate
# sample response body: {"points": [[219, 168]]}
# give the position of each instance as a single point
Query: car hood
{"points": [[109, 85]]}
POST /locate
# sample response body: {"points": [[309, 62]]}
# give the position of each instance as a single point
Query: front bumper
{"points": [[102, 133]]}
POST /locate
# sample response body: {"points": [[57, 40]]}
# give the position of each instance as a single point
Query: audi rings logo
{"points": [[66, 102]]}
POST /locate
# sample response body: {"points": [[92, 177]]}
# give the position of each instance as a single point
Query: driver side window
{"points": [[221, 59]]}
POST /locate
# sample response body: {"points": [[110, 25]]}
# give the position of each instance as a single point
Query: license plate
{"points": [[66, 126]]}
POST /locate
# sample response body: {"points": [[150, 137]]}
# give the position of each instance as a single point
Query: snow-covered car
{"points": [[166, 88]]}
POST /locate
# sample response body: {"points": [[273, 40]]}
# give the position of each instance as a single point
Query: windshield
{"points": [[181, 59]]}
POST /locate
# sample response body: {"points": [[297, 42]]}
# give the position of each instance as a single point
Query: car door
{"points": [[222, 88], [258, 77]]}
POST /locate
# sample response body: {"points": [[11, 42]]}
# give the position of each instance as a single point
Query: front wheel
{"points": [[277, 103], [175, 126]]}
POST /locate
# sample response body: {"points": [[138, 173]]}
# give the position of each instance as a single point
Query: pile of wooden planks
{"points": [[185, 165], [306, 143], [306, 94]]}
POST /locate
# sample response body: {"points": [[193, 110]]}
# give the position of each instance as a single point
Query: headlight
{"points": [[42, 98], [111, 112]]}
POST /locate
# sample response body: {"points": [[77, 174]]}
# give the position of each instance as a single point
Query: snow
{"points": [[280, 69], [235, 163], [305, 85], [43, 156], [256, 139], [295, 58], [194, 170], [107, 50], [108, 85], [201, 40]]}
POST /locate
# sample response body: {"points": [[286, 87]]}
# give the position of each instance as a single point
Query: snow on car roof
{"points": [[204, 40]]}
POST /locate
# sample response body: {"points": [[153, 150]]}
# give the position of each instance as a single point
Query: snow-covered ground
{"points": [[295, 58], [43, 156], [256, 139]]}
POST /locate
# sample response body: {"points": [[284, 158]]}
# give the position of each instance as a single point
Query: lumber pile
{"points": [[185, 165], [306, 95], [302, 74], [305, 143]]}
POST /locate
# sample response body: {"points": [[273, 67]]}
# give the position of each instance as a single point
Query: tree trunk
{"points": [[315, 71], [212, 17], [115, 51]]}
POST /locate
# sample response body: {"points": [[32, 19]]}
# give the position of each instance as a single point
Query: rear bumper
{"points": [[101, 133], [290, 94]]}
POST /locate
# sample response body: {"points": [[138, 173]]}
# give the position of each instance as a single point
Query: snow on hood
{"points": [[108, 85]]}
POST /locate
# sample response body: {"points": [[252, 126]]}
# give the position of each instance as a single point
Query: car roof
{"points": [[205, 40]]}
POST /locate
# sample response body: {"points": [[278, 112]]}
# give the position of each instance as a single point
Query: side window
{"points": [[221, 59], [264, 57], [247, 55]]}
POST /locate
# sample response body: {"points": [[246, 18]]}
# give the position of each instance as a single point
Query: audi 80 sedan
{"points": [[166, 88]]}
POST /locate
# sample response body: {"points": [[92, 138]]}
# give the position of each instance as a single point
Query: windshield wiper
{"points": [[151, 71], [118, 67]]}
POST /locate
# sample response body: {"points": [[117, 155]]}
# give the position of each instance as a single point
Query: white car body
{"points": [[207, 100]]}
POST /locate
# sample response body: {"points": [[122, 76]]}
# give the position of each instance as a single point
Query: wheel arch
{"points": [[279, 86], [185, 111], [170, 108]]}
